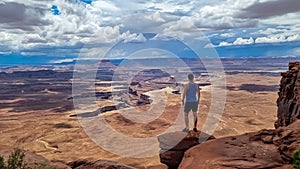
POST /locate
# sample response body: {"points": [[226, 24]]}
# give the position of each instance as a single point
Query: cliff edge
{"points": [[263, 149], [288, 101]]}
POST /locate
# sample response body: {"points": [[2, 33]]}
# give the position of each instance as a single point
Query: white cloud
{"points": [[224, 44], [156, 17], [77, 23], [241, 41], [268, 39], [227, 35], [136, 38], [222, 15], [271, 31], [181, 28], [61, 60], [238, 41], [277, 39], [293, 38]]}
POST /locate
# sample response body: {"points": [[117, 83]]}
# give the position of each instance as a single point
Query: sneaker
{"points": [[195, 129], [185, 130]]}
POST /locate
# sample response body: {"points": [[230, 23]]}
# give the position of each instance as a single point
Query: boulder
{"points": [[173, 145]]}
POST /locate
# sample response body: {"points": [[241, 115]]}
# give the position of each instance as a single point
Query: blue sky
{"points": [[54, 31]]}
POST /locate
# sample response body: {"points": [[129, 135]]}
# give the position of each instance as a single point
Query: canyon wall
{"points": [[288, 101]]}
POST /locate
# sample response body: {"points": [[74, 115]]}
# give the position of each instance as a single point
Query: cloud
{"points": [[32, 24], [271, 31], [139, 38], [34, 27], [222, 16], [241, 41], [278, 39], [237, 42], [181, 28], [224, 44], [15, 15], [267, 9], [156, 17], [62, 60], [144, 21], [163, 37], [227, 35], [293, 38]]}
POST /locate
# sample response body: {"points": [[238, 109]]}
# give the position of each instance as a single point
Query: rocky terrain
{"points": [[263, 149], [32, 160], [267, 148], [289, 96], [172, 156]]}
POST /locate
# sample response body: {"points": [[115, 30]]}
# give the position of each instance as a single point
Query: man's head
{"points": [[191, 77]]}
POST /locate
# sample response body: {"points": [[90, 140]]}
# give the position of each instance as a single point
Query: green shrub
{"points": [[297, 159], [16, 161], [1, 162]]}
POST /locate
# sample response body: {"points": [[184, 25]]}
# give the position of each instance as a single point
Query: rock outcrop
{"points": [[144, 99], [32, 160], [263, 149], [171, 153], [289, 96], [84, 164]]}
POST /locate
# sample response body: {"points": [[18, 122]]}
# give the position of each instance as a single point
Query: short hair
{"points": [[191, 76]]}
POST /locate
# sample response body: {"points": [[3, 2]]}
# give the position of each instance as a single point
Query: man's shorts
{"points": [[190, 106]]}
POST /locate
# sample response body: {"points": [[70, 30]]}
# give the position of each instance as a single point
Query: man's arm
{"points": [[184, 93]]}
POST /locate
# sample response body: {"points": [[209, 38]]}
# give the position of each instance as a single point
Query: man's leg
{"points": [[186, 119], [195, 120]]}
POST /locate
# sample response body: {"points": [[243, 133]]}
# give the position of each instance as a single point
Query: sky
{"points": [[55, 31]]}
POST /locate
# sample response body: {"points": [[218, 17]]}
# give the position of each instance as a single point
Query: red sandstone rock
{"points": [[263, 149], [173, 146], [289, 96]]}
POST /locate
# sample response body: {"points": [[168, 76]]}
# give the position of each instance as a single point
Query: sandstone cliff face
{"points": [[289, 96], [263, 149]]}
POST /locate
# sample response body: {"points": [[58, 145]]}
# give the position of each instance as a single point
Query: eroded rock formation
{"points": [[289, 96], [171, 153], [263, 149], [144, 99]]}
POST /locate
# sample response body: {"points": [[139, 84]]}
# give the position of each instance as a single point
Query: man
{"points": [[190, 102]]}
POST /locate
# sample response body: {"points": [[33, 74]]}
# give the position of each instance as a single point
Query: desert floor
{"points": [[250, 106]]}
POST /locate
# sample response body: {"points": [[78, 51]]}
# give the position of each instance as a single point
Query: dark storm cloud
{"points": [[15, 15], [270, 9]]}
